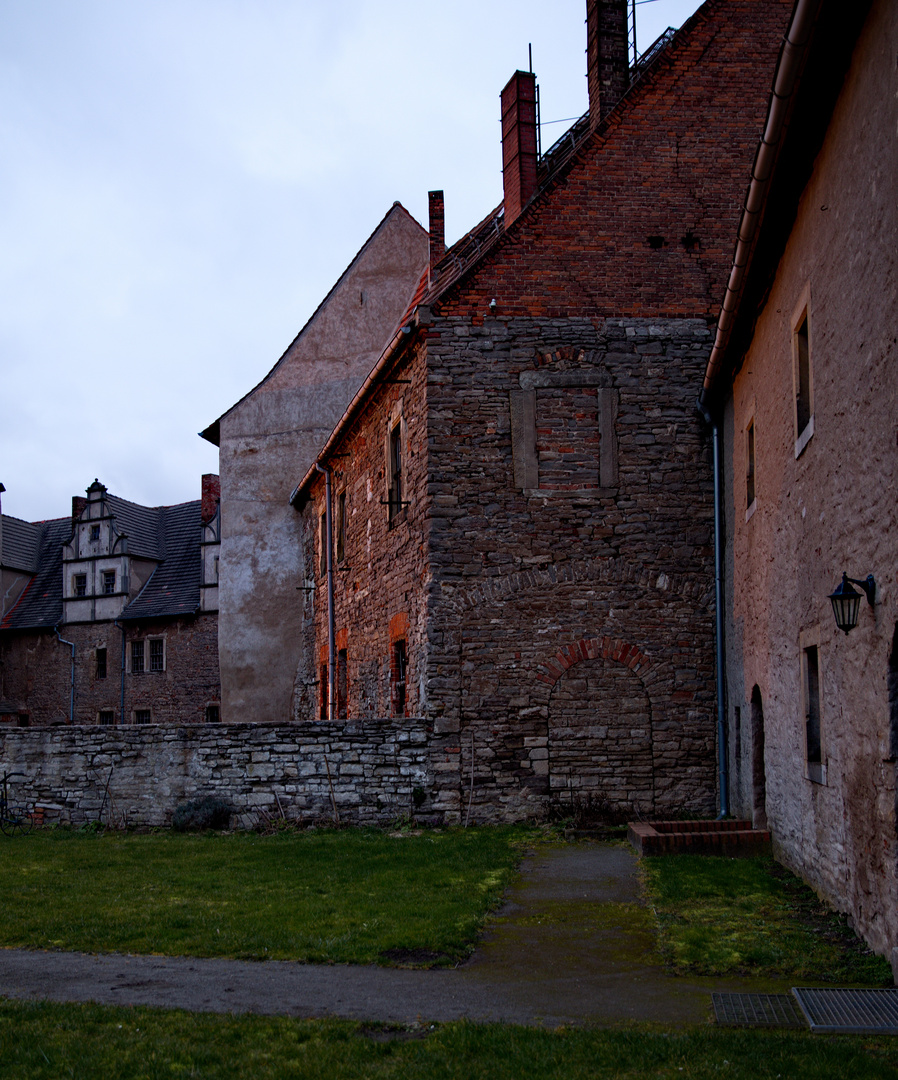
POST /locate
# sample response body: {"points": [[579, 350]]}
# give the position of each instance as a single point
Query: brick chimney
{"points": [[607, 59], [210, 497], [79, 502], [518, 143], [437, 227]]}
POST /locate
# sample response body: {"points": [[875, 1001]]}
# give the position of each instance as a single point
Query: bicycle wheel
{"points": [[16, 821]]}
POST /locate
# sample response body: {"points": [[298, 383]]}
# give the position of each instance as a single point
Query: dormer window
{"points": [[108, 582], [79, 585]]}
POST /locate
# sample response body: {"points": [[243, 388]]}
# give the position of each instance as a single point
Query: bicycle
{"points": [[14, 820]]}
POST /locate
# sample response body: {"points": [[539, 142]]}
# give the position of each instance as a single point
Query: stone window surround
{"points": [[396, 421], [814, 771], [522, 405], [143, 647]]}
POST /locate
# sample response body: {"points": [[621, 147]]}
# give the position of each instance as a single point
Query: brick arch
{"points": [[594, 648]]}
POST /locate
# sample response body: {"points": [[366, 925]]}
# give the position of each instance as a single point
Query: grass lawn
{"points": [[48, 1041], [720, 916], [324, 896]]}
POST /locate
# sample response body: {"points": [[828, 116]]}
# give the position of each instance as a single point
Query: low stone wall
{"points": [[359, 773]]}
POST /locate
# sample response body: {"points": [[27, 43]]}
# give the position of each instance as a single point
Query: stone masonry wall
{"points": [[355, 773]]}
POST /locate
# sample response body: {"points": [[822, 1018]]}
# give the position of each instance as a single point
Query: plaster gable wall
{"points": [[269, 440], [830, 510]]}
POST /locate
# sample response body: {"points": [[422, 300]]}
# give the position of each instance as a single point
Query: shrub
{"points": [[206, 813]]}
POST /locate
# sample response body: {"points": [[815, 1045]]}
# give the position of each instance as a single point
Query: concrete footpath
{"points": [[572, 944]]}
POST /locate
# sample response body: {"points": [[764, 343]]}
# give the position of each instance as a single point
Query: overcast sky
{"points": [[182, 181]]}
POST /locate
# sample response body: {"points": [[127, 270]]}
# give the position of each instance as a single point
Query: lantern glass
{"points": [[846, 603]]}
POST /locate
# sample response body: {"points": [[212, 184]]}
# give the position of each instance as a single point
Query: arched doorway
{"points": [[600, 736]]}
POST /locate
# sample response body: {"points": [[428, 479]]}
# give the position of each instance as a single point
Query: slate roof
{"points": [[170, 535], [41, 602], [174, 587], [21, 543]]}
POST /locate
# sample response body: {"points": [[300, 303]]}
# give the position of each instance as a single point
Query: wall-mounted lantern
{"points": [[847, 601]]}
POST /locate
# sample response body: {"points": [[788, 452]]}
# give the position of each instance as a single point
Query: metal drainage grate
{"points": [[864, 1012], [756, 1010]]}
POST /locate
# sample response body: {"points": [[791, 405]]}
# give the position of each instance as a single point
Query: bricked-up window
{"points": [[157, 654], [394, 495], [101, 663], [108, 582], [107, 717], [137, 666], [322, 691], [811, 665], [398, 673], [750, 464], [79, 585], [341, 526], [803, 382], [213, 714], [567, 437], [342, 685], [142, 716]]}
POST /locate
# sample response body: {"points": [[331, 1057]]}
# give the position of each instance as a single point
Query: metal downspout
{"points": [[72, 693], [331, 634]]}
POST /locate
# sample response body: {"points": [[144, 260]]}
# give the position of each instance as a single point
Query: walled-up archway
{"points": [[600, 736]]}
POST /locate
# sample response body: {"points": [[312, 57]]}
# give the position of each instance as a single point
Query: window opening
{"points": [[322, 692], [107, 717], [101, 663], [812, 704], [108, 582], [213, 714], [79, 584], [399, 667], [137, 657], [804, 406], [750, 465], [157, 654], [395, 494], [341, 526], [322, 543], [141, 716], [95, 532], [342, 685]]}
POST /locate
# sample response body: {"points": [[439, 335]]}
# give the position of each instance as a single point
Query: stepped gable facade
{"points": [[273, 434], [509, 530], [110, 615], [802, 388]]}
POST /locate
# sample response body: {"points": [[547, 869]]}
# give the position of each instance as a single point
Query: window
{"points": [[342, 685], [108, 582], [213, 714], [803, 381], [341, 526], [107, 717], [157, 654], [101, 663], [750, 465], [137, 666], [94, 533], [398, 669], [322, 544], [395, 502], [79, 585], [811, 680], [323, 691], [141, 716]]}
